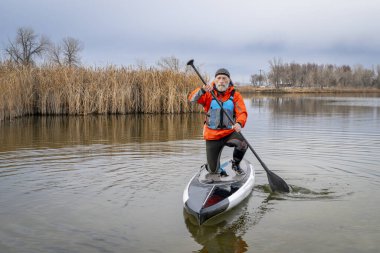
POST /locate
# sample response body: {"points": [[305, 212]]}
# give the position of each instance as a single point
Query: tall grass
{"points": [[79, 91]]}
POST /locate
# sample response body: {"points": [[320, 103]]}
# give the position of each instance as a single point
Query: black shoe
{"points": [[237, 169], [223, 173], [205, 166]]}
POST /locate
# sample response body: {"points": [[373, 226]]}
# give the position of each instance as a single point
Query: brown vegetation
{"points": [[79, 91]]}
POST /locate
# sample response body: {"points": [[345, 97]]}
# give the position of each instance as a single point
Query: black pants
{"points": [[214, 149]]}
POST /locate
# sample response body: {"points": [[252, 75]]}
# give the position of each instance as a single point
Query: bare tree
{"points": [[294, 74], [275, 73], [169, 63], [255, 79], [377, 79], [344, 76], [258, 79], [70, 49], [55, 54], [65, 53], [363, 77], [328, 77], [26, 46]]}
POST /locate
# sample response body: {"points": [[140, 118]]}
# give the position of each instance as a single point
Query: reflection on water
{"points": [[59, 131], [216, 238], [222, 236]]}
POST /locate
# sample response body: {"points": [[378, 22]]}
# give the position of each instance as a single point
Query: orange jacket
{"points": [[205, 99]]}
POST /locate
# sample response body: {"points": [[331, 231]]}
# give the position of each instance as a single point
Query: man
{"points": [[218, 131]]}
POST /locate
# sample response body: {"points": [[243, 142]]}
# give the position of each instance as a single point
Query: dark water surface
{"points": [[115, 183]]}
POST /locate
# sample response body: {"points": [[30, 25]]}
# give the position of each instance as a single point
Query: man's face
{"points": [[222, 82]]}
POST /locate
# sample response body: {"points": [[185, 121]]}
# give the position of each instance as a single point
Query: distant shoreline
{"points": [[271, 90]]}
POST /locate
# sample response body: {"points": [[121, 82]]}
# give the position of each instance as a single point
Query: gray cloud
{"points": [[242, 35]]}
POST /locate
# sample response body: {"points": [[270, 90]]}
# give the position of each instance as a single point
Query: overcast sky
{"points": [[240, 35]]}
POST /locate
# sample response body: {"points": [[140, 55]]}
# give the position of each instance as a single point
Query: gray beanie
{"points": [[222, 71]]}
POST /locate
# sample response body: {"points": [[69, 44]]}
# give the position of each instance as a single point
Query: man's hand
{"points": [[208, 87], [237, 127]]}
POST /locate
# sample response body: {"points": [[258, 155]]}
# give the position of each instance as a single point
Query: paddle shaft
{"points": [[229, 118]]}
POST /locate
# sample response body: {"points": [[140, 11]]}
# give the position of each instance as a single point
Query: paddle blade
{"points": [[191, 62], [276, 183]]}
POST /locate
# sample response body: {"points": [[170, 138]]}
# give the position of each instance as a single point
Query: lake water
{"points": [[115, 183]]}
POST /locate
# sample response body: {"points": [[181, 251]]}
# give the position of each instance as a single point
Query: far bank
{"points": [[273, 90]]}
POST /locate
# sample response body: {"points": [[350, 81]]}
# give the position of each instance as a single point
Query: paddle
{"points": [[276, 183]]}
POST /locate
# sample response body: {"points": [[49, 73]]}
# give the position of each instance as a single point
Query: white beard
{"points": [[222, 87]]}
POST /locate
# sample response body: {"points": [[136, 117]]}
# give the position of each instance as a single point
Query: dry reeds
{"points": [[80, 91]]}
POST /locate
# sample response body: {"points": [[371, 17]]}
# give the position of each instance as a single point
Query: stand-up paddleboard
{"points": [[208, 195]]}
